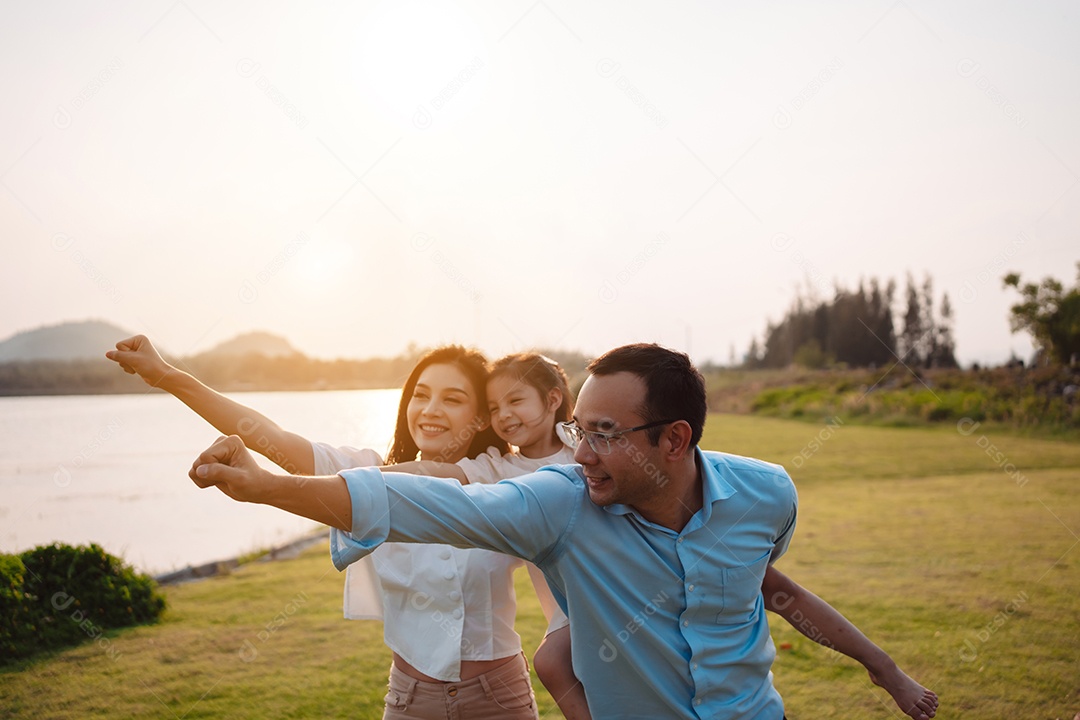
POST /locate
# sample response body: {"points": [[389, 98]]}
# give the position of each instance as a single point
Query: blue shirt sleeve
{"points": [[526, 517], [782, 541]]}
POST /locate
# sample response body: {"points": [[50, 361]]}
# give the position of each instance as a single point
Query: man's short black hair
{"points": [[674, 389]]}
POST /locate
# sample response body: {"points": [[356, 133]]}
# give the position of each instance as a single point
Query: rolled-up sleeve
{"points": [[783, 539], [527, 517], [370, 517]]}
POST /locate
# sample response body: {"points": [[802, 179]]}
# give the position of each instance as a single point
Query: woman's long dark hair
{"points": [[474, 366]]}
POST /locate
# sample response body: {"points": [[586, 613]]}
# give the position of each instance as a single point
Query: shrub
{"points": [[15, 628], [57, 595]]}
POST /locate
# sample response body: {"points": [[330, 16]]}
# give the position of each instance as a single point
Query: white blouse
{"points": [[490, 467], [439, 604]]}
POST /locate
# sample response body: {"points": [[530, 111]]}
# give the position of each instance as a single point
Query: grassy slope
{"points": [[918, 535], [922, 539], [1033, 401]]}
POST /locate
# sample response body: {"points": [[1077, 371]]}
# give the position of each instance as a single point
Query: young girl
{"points": [[448, 612], [528, 398]]}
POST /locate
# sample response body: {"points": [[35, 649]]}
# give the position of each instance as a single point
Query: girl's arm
{"points": [[823, 624], [137, 356], [429, 467]]}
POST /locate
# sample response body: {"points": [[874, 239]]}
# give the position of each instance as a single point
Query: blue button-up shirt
{"points": [[663, 624]]}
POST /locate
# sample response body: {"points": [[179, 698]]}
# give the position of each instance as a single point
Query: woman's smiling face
{"points": [[443, 413]]}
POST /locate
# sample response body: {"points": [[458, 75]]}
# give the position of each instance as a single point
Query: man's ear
{"points": [[677, 439]]}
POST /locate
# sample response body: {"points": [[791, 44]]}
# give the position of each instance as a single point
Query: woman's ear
{"points": [[555, 398]]}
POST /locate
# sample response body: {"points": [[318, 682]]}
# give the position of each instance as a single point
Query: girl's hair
{"points": [[542, 373], [475, 368]]}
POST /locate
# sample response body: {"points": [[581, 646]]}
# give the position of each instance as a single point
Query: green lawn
{"points": [[956, 553]]}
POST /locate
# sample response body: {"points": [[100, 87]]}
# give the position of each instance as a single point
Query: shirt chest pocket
{"points": [[741, 587]]}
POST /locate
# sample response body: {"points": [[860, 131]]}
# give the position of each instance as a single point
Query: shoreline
{"points": [[288, 551]]}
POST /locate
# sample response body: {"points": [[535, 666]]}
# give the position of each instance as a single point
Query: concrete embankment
{"points": [[221, 567]]}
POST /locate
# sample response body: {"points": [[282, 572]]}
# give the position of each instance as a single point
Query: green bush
{"points": [[15, 627], [57, 595]]}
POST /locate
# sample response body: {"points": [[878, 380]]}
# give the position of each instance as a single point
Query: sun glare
{"points": [[324, 264], [418, 56]]}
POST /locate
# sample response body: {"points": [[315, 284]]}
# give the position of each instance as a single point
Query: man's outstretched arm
{"points": [[230, 466], [524, 517]]}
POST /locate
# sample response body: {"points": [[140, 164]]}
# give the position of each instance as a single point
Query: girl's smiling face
{"points": [[443, 413], [522, 417]]}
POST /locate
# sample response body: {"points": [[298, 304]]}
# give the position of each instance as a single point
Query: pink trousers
{"points": [[504, 693]]}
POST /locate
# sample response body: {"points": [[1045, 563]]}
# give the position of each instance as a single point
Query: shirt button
{"points": [[694, 666], [697, 701], [679, 541], [455, 595], [449, 574], [457, 613], [690, 587], [451, 691], [444, 554], [686, 623]]}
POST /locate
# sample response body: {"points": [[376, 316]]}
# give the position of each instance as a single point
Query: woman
{"points": [[448, 613]]}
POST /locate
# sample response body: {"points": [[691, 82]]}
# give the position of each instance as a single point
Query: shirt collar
{"points": [[713, 486]]}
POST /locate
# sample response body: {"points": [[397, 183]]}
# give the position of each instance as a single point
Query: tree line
{"points": [[858, 328], [862, 327], [227, 373]]}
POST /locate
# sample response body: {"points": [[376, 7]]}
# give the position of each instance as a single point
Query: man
{"points": [[655, 549]]}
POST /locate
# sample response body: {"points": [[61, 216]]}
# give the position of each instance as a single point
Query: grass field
{"points": [[957, 553]]}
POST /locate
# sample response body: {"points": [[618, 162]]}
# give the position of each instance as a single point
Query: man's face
{"points": [[631, 474]]}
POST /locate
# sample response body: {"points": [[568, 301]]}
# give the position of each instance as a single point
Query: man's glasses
{"points": [[572, 434]]}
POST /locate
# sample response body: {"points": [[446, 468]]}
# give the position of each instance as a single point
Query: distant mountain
{"points": [[66, 341], [259, 343]]}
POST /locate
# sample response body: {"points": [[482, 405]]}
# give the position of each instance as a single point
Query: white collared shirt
{"points": [[491, 467], [439, 604]]}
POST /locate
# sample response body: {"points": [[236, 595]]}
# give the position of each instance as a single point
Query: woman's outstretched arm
{"points": [[292, 452]]}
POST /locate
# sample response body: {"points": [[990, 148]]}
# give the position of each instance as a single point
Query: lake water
{"points": [[112, 469]]}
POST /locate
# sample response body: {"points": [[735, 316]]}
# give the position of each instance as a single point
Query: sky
{"points": [[359, 177]]}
